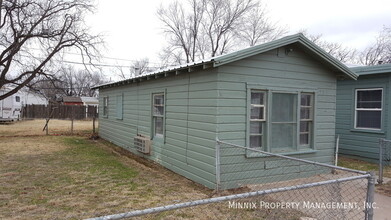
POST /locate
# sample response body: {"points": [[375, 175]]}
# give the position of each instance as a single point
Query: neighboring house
{"points": [[32, 98], [70, 100], [278, 97], [90, 101], [363, 112]]}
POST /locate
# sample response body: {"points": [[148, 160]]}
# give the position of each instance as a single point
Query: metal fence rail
{"points": [[273, 186]]}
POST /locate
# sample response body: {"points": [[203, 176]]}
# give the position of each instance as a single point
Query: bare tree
{"points": [[212, 27], [68, 81], [34, 32], [137, 67], [380, 51], [338, 51], [257, 28]]}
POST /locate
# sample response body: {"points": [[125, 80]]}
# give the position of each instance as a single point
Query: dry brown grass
{"points": [[69, 177], [34, 127]]}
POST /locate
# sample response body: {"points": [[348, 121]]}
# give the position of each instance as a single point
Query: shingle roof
{"points": [[71, 99], [300, 39]]}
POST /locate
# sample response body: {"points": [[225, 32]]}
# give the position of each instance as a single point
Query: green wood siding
{"points": [[295, 72], [190, 122], [209, 104], [361, 143]]}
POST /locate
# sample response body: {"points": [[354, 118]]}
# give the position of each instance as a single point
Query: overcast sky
{"points": [[133, 31]]}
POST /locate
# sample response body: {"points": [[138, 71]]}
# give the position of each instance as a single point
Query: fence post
{"points": [[217, 165], [370, 197], [381, 144]]}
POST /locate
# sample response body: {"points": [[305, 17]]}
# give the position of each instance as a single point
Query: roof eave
{"points": [[163, 73], [297, 38]]}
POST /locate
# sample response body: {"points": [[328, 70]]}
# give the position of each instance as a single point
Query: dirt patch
{"points": [[384, 189]]}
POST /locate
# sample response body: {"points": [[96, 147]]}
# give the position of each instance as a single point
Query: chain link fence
{"points": [[384, 157], [255, 184]]}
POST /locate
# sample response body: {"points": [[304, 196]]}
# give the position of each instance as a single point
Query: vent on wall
{"points": [[142, 144]]}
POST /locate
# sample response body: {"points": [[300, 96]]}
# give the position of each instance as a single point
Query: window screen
{"points": [[284, 122], [368, 108]]}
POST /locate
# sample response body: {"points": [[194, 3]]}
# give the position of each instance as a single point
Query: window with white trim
{"points": [[257, 119], [281, 121], [368, 108], [306, 119], [105, 106], [158, 114]]}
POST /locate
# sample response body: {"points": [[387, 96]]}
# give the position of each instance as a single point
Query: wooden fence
{"points": [[59, 111]]}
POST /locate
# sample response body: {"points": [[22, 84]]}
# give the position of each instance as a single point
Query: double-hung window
{"points": [[368, 108], [105, 106], [281, 121], [158, 115]]}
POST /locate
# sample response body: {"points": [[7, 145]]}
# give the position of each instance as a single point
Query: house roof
{"points": [[299, 39], [369, 70], [71, 99], [89, 100]]}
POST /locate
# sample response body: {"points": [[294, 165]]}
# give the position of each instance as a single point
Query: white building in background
{"points": [[33, 98], [11, 107], [90, 101]]}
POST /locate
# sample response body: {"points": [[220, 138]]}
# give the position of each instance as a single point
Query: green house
{"points": [[363, 112], [278, 97]]}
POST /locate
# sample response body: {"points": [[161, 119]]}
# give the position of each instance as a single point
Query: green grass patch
{"points": [[86, 156]]}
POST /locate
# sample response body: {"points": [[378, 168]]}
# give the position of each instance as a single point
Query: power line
{"points": [[98, 64], [111, 58]]}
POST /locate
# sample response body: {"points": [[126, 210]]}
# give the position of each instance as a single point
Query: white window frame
{"points": [[267, 138], [368, 109], [310, 120], [264, 125], [160, 116]]}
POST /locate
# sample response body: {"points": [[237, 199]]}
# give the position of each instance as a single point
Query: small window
{"points": [[158, 114], [306, 119], [105, 106], [120, 106], [368, 108], [17, 98], [257, 119]]}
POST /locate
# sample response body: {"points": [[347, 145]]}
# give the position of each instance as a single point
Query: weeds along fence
{"points": [[384, 157], [255, 184]]}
